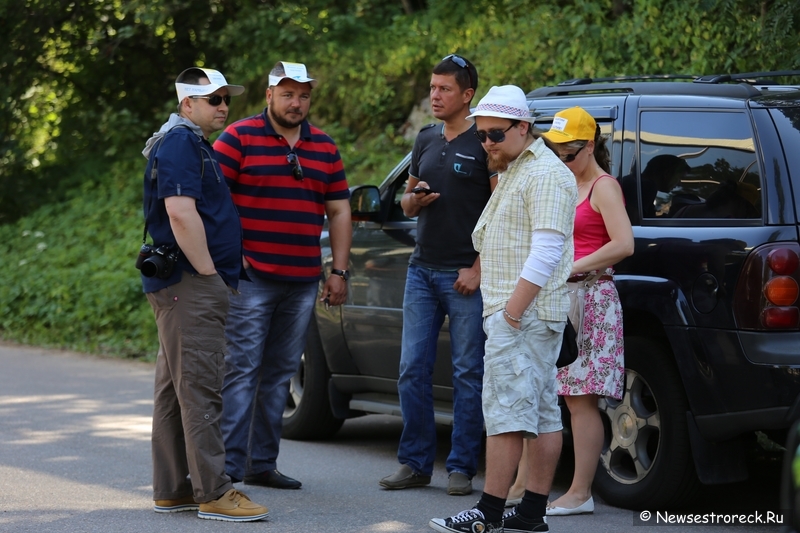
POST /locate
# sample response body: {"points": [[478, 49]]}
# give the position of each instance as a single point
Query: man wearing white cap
{"points": [[524, 236], [194, 262], [285, 176]]}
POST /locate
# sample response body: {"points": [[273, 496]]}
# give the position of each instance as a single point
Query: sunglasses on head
{"points": [[496, 136], [297, 170], [461, 62], [215, 99], [569, 158]]}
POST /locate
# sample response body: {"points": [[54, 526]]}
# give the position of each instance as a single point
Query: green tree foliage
{"points": [[374, 57], [84, 80], [67, 275], [87, 82]]}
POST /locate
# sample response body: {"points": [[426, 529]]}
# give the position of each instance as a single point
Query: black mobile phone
{"points": [[423, 190]]}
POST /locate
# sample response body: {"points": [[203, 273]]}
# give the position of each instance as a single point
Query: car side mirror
{"points": [[365, 203]]}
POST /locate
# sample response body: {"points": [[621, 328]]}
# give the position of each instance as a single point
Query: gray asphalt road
{"points": [[75, 457]]}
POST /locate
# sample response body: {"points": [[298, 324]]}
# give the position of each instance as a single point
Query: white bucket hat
{"points": [[216, 81], [293, 71], [506, 101]]}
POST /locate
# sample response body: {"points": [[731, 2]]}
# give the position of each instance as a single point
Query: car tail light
{"points": [[783, 261], [769, 288], [781, 317], [781, 290]]}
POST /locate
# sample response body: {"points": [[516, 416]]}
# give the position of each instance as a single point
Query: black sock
{"points": [[492, 507], [533, 506]]}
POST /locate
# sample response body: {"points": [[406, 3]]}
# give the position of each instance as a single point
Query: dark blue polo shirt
{"points": [[187, 167], [458, 170]]}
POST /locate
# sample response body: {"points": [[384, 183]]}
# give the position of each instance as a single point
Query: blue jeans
{"points": [[429, 296], [266, 335]]}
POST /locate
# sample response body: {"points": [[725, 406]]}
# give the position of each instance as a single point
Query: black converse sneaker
{"points": [[469, 521], [514, 523]]}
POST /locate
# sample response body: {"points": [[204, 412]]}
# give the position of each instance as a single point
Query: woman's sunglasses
{"points": [[569, 158], [215, 99]]}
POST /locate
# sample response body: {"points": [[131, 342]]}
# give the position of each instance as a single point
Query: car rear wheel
{"points": [[646, 461], [308, 414]]}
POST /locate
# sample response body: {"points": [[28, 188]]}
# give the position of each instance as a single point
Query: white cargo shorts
{"points": [[519, 379]]}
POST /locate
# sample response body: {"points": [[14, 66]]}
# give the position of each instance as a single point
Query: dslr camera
{"points": [[157, 261]]}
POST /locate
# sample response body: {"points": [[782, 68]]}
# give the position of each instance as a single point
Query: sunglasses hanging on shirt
{"points": [[297, 170]]}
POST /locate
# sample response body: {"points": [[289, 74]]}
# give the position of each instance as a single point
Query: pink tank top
{"points": [[590, 230]]}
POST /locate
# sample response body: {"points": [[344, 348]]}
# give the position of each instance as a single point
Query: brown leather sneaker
{"points": [[176, 506], [233, 506]]}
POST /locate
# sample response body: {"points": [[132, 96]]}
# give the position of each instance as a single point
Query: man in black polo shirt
{"points": [[449, 166]]}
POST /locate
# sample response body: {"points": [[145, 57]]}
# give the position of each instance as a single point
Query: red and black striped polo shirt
{"points": [[282, 216]]}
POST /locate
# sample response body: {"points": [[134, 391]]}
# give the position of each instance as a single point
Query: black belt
{"points": [[581, 277]]}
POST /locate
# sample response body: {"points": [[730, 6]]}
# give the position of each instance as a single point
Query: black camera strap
{"points": [[154, 174], [153, 178]]}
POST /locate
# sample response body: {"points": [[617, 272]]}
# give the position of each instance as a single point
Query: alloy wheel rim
{"points": [[632, 431], [295, 390]]}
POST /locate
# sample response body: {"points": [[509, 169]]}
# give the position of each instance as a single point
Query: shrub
{"points": [[66, 271]]}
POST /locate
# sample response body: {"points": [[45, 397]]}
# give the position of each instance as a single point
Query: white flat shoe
{"points": [[513, 501], [585, 507]]}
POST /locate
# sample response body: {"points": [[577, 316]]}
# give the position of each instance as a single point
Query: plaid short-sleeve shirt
{"points": [[536, 192]]}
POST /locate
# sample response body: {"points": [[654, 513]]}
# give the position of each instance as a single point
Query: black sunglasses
{"points": [[496, 136], [569, 158], [215, 99], [461, 62], [297, 170]]}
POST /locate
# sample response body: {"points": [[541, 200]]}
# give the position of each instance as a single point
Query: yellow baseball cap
{"points": [[573, 124]]}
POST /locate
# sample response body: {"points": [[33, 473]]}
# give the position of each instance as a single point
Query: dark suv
{"points": [[710, 170]]}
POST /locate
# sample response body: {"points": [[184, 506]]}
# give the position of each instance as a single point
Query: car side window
{"points": [[398, 188], [697, 164]]}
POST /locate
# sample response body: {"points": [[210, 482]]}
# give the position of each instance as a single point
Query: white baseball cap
{"points": [[506, 101], [293, 71], [216, 81]]}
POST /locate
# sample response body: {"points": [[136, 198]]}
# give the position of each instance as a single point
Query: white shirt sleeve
{"points": [[546, 248]]}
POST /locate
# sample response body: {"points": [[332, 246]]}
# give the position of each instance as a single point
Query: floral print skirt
{"points": [[600, 366]]}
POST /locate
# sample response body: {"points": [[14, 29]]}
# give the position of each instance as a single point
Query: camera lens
{"points": [[153, 266], [144, 253]]}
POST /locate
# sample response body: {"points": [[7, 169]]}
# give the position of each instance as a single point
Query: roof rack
{"points": [[645, 77], [746, 84], [729, 90], [748, 77]]}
